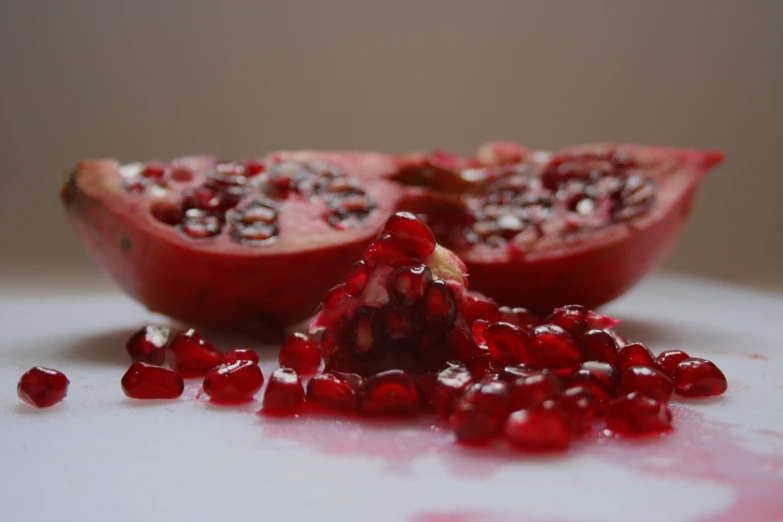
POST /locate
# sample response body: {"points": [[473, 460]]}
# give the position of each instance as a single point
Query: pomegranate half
{"points": [[253, 244]]}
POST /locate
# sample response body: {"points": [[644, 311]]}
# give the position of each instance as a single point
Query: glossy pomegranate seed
{"points": [[333, 297], [364, 343], [154, 170], [334, 390], [300, 353], [411, 231], [357, 279], [438, 307], [599, 345], [696, 377], [512, 372], [149, 344], [389, 393], [481, 412], [478, 306], [506, 342], [521, 317], [571, 318], [461, 343], [636, 414], [240, 354], [387, 250], [285, 393], [607, 373], [635, 354], [233, 382], [42, 387], [647, 381], [190, 355], [544, 429], [147, 381], [669, 360], [409, 283], [448, 388], [200, 224], [579, 406], [253, 167], [534, 390], [553, 348]]}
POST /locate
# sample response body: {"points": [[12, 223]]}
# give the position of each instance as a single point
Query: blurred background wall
{"points": [[160, 78]]}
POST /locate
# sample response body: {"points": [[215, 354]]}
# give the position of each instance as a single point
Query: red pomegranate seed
{"points": [[521, 317], [481, 413], [636, 414], [233, 382], [389, 393], [334, 390], [534, 390], [357, 279], [571, 318], [190, 355], [154, 170], [448, 388], [647, 381], [512, 372], [439, 308], [387, 250], [409, 284], [599, 345], [200, 224], [478, 306], [285, 393], [602, 392], [696, 377], [147, 381], [42, 387], [253, 167], [544, 429], [507, 343], [396, 322], [300, 353], [604, 371], [240, 354], [333, 296], [579, 406], [553, 348], [669, 360], [480, 363], [411, 231], [635, 354], [149, 344], [461, 343]]}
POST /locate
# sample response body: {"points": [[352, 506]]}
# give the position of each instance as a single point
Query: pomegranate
{"points": [[148, 381], [42, 387], [255, 244]]}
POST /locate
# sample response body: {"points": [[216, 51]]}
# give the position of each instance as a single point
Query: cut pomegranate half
{"points": [[250, 245]]}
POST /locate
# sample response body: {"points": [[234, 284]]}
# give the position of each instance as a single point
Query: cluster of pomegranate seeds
{"points": [[42, 387]]}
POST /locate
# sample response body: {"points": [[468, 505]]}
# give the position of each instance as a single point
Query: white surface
{"points": [[100, 457]]}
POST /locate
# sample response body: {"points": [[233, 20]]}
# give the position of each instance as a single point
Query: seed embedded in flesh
{"points": [[233, 382], [190, 355], [387, 250], [579, 406], [438, 306], [42, 387], [506, 342], [695, 377], [200, 224], [481, 413], [393, 392], [477, 306], [411, 231], [635, 354], [409, 283], [541, 430], [148, 381], [532, 391], [149, 344], [256, 224], [450, 385], [599, 345], [669, 360], [334, 390], [300, 352], [647, 381], [285, 393], [553, 348], [637, 414], [240, 354], [357, 279]]}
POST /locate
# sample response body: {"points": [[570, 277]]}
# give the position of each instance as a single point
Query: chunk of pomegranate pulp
{"points": [[255, 244]]}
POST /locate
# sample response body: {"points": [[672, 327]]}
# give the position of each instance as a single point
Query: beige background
{"points": [[145, 79]]}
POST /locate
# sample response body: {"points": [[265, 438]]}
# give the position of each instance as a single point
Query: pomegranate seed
{"points": [[478, 306], [481, 412], [439, 308], [149, 344], [199, 224], [300, 353], [507, 343], [647, 381], [696, 377], [579, 405], [190, 355], [553, 348], [669, 360], [409, 283], [479, 364], [599, 345], [393, 392], [387, 250], [604, 371], [635, 354], [363, 336], [450, 385], [357, 279], [514, 371], [147, 381], [181, 174], [333, 297], [154, 170], [395, 322], [461, 343], [521, 317], [478, 332], [544, 429], [240, 354], [571, 318], [233, 382], [42, 387], [601, 385], [253, 167], [284, 394], [334, 390], [411, 231], [534, 390], [637, 414]]}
